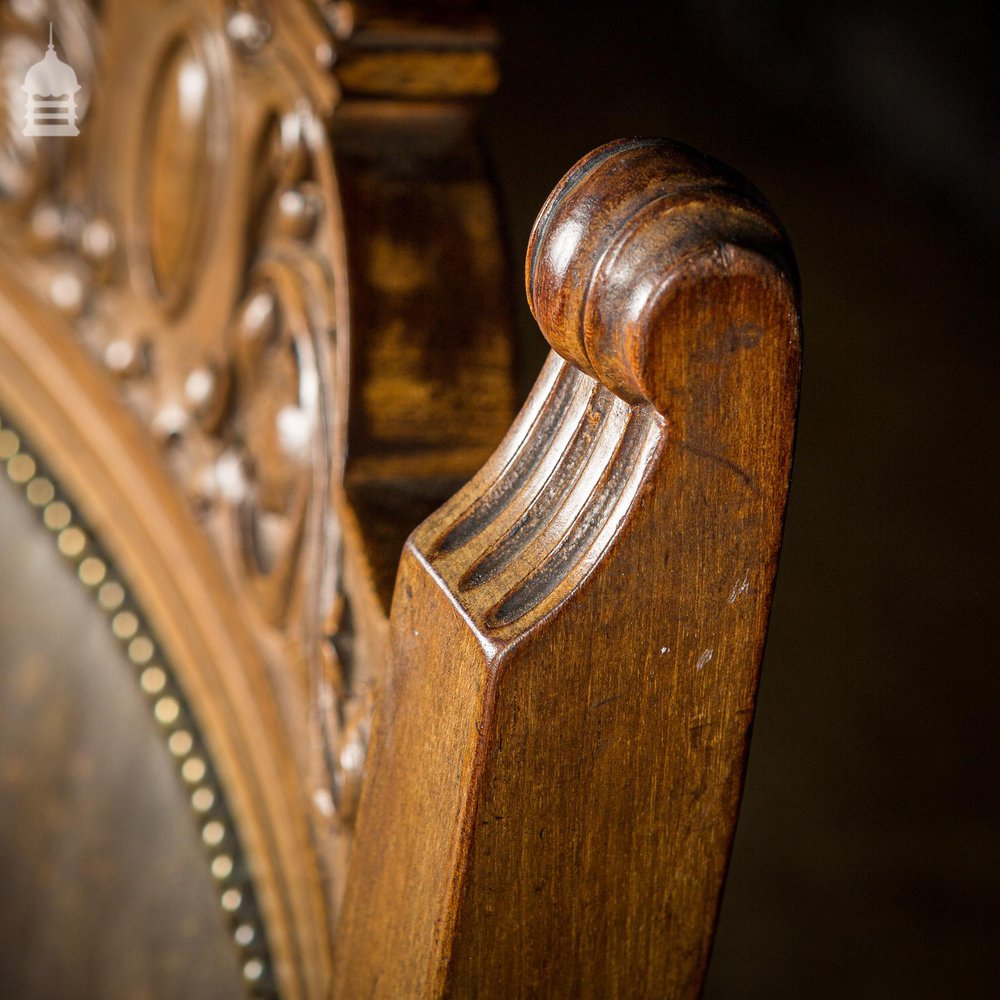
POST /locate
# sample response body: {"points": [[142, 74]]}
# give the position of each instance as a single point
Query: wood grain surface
{"points": [[575, 637]]}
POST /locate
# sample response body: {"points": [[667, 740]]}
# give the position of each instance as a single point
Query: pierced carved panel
{"points": [[192, 235]]}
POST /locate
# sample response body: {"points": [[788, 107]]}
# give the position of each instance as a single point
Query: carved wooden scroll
{"points": [[576, 635]]}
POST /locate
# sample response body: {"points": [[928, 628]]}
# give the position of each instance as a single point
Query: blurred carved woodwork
{"points": [[480, 702]]}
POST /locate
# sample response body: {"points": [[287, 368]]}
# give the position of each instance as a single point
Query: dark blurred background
{"points": [[866, 860]]}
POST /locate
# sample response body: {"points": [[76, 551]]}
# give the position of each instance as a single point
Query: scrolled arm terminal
{"points": [[622, 245]]}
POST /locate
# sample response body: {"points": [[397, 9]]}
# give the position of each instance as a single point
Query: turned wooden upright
{"points": [[559, 745]]}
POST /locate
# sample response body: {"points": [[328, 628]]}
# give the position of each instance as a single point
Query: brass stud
{"points": [[92, 571], [141, 649], [193, 770], [72, 541], [57, 516], [111, 595], [222, 867], [40, 492], [167, 710], [180, 743], [20, 468], [153, 680], [231, 900], [202, 799], [9, 444], [213, 833], [124, 625]]}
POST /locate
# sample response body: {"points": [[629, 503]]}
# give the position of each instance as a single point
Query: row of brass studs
{"points": [[167, 703]]}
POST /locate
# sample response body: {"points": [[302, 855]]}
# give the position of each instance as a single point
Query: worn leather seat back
{"points": [[106, 890]]}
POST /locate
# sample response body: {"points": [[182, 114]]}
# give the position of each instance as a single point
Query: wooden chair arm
{"points": [[575, 638]]}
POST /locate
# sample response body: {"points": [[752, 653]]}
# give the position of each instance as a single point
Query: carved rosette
{"points": [[192, 233]]}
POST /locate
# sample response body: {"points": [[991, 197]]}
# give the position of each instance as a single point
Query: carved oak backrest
{"points": [[467, 740]]}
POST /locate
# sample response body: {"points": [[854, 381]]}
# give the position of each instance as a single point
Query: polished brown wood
{"points": [[576, 636], [255, 320]]}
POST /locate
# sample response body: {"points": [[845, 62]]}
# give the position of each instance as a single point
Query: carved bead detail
{"points": [[248, 31], [126, 359], [298, 210], [169, 423], [349, 769], [68, 292], [48, 226], [339, 15], [231, 476], [206, 391], [97, 241], [258, 320]]}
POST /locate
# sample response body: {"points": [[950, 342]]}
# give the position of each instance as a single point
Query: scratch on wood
{"points": [[740, 587], [721, 460], [606, 701]]}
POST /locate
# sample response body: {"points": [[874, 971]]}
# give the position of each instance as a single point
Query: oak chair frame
{"points": [[475, 740]]}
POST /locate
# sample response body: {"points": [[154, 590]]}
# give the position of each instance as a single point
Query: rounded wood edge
{"points": [[624, 243]]}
